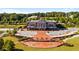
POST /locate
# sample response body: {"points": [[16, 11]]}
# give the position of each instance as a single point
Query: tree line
{"points": [[68, 18]]}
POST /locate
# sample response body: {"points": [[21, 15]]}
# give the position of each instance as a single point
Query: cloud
{"points": [[32, 10]]}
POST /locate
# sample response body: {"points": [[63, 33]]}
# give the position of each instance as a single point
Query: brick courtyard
{"points": [[42, 36]]}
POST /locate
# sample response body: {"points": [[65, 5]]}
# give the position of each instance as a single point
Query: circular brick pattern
{"points": [[42, 44]]}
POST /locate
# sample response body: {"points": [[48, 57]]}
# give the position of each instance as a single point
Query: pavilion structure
{"points": [[41, 25]]}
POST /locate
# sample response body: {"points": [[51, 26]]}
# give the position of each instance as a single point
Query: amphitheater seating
{"points": [[51, 33], [26, 33], [62, 32]]}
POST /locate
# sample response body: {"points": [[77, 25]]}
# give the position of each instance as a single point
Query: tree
{"points": [[14, 31], [9, 45], [23, 19], [4, 19]]}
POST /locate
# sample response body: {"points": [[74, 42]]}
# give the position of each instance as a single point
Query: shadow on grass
{"points": [[18, 50], [12, 50], [67, 44]]}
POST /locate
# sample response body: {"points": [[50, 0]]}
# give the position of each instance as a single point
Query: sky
{"points": [[33, 10]]}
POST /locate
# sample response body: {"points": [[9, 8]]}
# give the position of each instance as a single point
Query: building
{"points": [[41, 25]]}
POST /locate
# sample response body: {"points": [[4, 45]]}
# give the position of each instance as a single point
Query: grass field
{"points": [[10, 26], [18, 45], [1, 32]]}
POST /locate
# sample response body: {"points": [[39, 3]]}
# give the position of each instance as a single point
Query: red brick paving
{"points": [[41, 36], [43, 44]]}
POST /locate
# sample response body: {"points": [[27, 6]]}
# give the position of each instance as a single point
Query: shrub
{"points": [[1, 43], [9, 45]]}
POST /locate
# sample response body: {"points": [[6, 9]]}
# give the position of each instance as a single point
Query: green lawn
{"points": [[10, 26], [74, 41], [1, 32]]}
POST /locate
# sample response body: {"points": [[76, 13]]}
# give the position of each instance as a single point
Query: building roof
{"points": [[32, 17], [42, 21]]}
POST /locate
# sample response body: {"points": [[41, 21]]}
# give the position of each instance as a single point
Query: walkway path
{"points": [[5, 29], [70, 37], [1, 35]]}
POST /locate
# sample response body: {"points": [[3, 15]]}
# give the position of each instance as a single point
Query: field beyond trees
{"points": [[10, 26]]}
